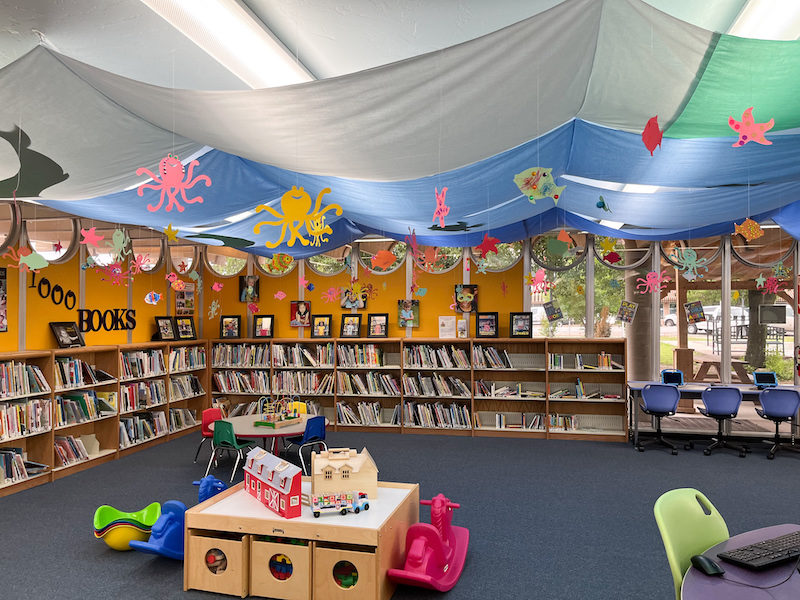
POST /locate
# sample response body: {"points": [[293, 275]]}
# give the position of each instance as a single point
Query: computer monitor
{"points": [[765, 379], [769, 314], [672, 377]]}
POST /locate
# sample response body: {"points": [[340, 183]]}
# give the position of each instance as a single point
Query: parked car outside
{"points": [[739, 315]]}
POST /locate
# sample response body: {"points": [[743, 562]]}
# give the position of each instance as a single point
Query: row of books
{"points": [[436, 385], [23, 418], [373, 383], [360, 355], [142, 394], [141, 427], [430, 357], [186, 358], [71, 449], [491, 389], [237, 382], [507, 420], [436, 414], [72, 409], [300, 356], [366, 414], [14, 467], [302, 382], [142, 363], [74, 372], [185, 386], [181, 418], [578, 361], [490, 357], [21, 379], [240, 355]]}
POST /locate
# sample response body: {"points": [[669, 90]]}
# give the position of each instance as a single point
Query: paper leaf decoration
{"points": [[442, 210], [296, 206], [152, 298], [252, 307], [171, 182], [280, 295], [686, 260], [383, 259], [26, 259], [213, 309], [652, 282], [90, 237], [172, 234], [216, 286], [178, 285], [601, 203], [538, 183], [556, 247], [749, 130], [749, 229], [332, 295], [489, 244], [651, 136]]}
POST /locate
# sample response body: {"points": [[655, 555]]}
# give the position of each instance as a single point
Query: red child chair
{"points": [[209, 416]]}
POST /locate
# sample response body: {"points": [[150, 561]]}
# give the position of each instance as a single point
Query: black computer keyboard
{"points": [[768, 553]]}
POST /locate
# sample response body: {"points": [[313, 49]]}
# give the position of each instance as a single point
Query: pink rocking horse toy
{"points": [[435, 553]]}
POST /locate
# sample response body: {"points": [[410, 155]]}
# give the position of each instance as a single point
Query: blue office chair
{"points": [[722, 403], [659, 400], [313, 436], [779, 405]]}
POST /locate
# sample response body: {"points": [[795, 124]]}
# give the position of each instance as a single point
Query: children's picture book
{"points": [[694, 312], [552, 311], [627, 311]]}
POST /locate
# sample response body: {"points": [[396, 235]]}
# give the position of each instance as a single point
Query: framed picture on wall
{"points": [[351, 326], [466, 296], [248, 288], [230, 326], [378, 325], [521, 324], [185, 328], [486, 324], [408, 313], [263, 325], [300, 313], [350, 299], [321, 326], [67, 334], [165, 329]]}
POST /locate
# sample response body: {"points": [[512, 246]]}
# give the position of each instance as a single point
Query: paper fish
{"points": [[152, 298], [90, 238], [194, 276], [538, 183], [612, 258], [310, 286], [172, 277], [651, 136], [421, 292], [216, 286], [252, 307], [178, 285], [489, 244], [556, 247], [749, 229], [280, 295], [26, 259], [441, 209], [563, 236], [749, 130], [383, 259], [602, 204]]}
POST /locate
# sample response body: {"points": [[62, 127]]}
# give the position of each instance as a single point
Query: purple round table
{"points": [[736, 582]]}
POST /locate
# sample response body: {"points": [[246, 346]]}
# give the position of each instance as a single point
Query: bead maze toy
{"points": [[117, 529], [276, 414], [435, 552]]}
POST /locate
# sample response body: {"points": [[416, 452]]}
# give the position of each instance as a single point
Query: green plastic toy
{"points": [[118, 529]]}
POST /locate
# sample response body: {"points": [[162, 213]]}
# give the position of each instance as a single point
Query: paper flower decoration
{"points": [[216, 286], [442, 210], [152, 298], [651, 136], [297, 212], [538, 183], [749, 130], [171, 182], [749, 229], [90, 237]]}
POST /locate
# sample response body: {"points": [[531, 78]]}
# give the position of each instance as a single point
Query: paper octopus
{"points": [[113, 273], [213, 309], [652, 283], [172, 182], [686, 259], [297, 212], [119, 245], [538, 281], [317, 229], [772, 285], [26, 259], [139, 263], [332, 295]]}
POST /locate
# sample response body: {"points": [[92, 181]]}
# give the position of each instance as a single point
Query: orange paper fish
{"points": [[563, 236], [651, 136], [383, 259], [749, 229]]}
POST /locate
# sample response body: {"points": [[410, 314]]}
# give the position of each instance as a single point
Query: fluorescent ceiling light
{"points": [[768, 20], [234, 37], [635, 188]]}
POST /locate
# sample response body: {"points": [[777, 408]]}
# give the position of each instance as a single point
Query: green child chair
{"points": [[689, 525], [225, 440]]}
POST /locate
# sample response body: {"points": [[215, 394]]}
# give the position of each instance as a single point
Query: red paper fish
{"points": [[651, 136], [612, 257], [383, 259]]}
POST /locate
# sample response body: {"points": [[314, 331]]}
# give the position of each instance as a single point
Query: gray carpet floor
{"points": [[548, 519]]}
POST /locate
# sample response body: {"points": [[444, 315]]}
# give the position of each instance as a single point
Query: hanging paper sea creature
{"points": [[57, 247], [651, 136], [538, 183], [171, 277], [772, 285], [90, 237], [383, 259], [216, 286], [252, 307], [172, 234], [113, 273], [538, 281], [88, 264], [749, 130], [310, 286], [482, 265], [279, 295], [735, 295], [231, 242], [442, 210], [563, 236], [421, 291], [302, 281], [615, 284], [411, 240], [297, 212], [749, 229], [213, 309], [780, 270], [504, 287], [653, 282], [607, 244], [138, 263], [489, 244], [178, 285], [602, 204], [579, 289], [152, 297], [119, 245], [194, 276], [612, 258], [686, 260], [317, 229], [459, 226], [182, 266], [556, 247], [26, 259], [332, 295], [760, 281], [279, 262], [171, 182]]}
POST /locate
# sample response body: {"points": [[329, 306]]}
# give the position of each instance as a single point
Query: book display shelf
{"points": [[306, 371], [240, 373], [188, 382], [143, 395]]}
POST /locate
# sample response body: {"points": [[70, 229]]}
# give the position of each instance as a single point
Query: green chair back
{"points": [[689, 525], [224, 436]]}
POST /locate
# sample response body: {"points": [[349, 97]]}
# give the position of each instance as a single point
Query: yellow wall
{"points": [[437, 299], [9, 340], [492, 299], [41, 311]]}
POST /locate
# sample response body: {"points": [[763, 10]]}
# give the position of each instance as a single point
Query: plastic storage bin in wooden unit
{"points": [[344, 574], [280, 570], [219, 564]]}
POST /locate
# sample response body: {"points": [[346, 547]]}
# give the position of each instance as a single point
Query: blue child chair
{"points": [[779, 405], [659, 400], [722, 403], [166, 536], [313, 436]]}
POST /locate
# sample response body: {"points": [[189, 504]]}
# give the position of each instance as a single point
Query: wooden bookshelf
{"points": [[187, 385]]}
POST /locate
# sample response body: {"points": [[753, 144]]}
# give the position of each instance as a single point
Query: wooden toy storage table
{"points": [[372, 541]]}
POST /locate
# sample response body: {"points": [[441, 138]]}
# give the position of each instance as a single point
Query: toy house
{"points": [[343, 469], [273, 482]]}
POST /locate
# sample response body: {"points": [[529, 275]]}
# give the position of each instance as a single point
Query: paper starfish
{"points": [[749, 130], [607, 245], [302, 281], [57, 247], [735, 296], [172, 234], [90, 238], [489, 244], [182, 266], [760, 280]]}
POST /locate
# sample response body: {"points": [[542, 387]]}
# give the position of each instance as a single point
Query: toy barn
{"points": [[273, 482]]}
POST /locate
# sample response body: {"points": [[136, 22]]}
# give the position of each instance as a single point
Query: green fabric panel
{"points": [[742, 73]]}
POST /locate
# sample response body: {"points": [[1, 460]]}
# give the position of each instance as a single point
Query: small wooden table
{"points": [[738, 367], [244, 427], [233, 524]]}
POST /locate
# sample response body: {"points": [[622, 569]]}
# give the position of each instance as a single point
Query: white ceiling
{"points": [[330, 37]]}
